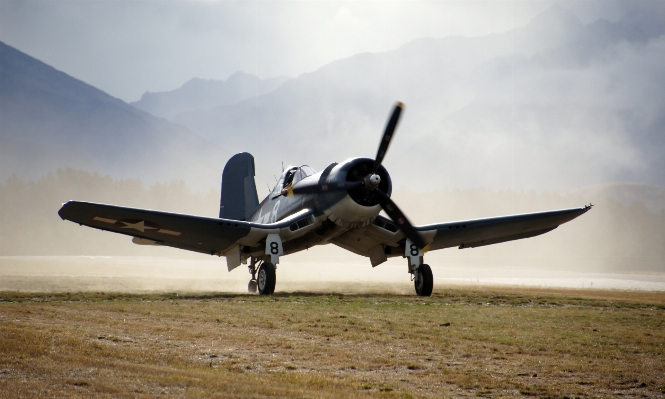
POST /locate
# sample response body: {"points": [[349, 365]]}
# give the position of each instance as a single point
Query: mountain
{"points": [[200, 94], [50, 120], [555, 105]]}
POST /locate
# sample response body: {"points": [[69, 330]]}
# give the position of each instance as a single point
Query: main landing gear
{"points": [[263, 278], [266, 279], [423, 280], [421, 274], [263, 268]]}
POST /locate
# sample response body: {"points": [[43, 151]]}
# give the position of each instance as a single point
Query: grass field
{"points": [[458, 343]]}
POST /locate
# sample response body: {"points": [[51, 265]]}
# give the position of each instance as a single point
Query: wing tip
{"points": [[62, 210], [65, 209]]}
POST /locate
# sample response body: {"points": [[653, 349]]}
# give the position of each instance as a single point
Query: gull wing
{"points": [[207, 235], [481, 232], [382, 239]]}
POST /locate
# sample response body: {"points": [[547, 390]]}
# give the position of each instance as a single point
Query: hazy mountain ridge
{"points": [[200, 94], [521, 104], [418, 73], [51, 120]]}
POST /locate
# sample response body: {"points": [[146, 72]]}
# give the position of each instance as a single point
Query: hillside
{"points": [[51, 120]]}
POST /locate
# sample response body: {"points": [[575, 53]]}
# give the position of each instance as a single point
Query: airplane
{"points": [[339, 206]]}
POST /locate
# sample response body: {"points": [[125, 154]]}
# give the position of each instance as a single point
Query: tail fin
{"points": [[239, 198]]}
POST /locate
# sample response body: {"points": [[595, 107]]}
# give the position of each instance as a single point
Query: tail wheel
{"points": [[423, 281], [266, 279]]}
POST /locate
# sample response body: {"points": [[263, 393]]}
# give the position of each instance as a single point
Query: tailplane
{"points": [[239, 198]]}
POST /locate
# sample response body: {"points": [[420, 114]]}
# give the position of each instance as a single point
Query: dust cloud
{"points": [[620, 244], [297, 273]]}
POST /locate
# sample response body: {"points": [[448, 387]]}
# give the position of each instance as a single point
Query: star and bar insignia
{"points": [[137, 224]]}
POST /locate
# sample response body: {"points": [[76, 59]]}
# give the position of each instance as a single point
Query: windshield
{"points": [[307, 170]]}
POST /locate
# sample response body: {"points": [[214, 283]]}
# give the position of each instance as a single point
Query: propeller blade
{"points": [[387, 136], [400, 219]]}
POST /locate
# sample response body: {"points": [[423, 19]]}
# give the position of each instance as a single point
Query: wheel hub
{"points": [[261, 280]]}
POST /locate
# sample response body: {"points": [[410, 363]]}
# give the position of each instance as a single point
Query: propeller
{"points": [[391, 209], [387, 136], [371, 182]]}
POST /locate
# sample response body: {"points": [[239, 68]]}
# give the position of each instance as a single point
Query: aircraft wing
{"points": [[207, 235], [383, 239], [481, 232]]}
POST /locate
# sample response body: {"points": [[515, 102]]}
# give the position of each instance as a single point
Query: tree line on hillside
{"points": [[30, 225], [612, 237]]}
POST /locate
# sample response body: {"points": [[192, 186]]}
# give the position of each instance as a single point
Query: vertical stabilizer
{"points": [[239, 198]]}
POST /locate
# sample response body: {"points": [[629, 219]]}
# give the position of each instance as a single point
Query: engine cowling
{"points": [[357, 206]]}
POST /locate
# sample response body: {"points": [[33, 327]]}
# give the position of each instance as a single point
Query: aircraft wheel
{"points": [[423, 281], [266, 279], [251, 287]]}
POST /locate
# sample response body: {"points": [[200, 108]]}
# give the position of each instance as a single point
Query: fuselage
{"points": [[334, 211]]}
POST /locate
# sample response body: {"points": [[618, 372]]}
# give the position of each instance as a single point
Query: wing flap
{"points": [[363, 241]]}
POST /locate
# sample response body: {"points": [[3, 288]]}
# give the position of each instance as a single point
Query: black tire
{"points": [[265, 279], [423, 281]]}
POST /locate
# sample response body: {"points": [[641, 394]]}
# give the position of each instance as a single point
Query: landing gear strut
{"points": [[251, 287]]}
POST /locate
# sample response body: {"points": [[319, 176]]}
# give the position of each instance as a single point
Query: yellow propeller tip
{"points": [[400, 104]]}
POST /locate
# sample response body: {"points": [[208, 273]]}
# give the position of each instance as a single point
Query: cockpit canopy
{"points": [[292, 175]]}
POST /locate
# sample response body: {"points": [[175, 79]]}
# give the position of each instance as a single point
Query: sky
{"points": [[126, 48]]}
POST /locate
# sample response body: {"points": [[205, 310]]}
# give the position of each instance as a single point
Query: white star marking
{"points": [[140, 226]]}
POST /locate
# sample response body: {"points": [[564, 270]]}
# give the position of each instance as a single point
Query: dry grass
{"points": [[460, 342]]}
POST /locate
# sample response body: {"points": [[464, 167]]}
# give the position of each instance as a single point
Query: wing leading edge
{"points": [[481, 232]]}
